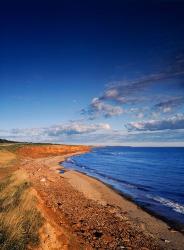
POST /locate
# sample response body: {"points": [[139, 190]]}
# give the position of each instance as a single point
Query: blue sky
{"points": [[92, 72]]}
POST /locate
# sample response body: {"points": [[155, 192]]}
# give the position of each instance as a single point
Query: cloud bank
{"points": [[173, 123], [56, 132], [95, 134]]}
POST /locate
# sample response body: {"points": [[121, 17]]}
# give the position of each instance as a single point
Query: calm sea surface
{"points": [[152, 177]]}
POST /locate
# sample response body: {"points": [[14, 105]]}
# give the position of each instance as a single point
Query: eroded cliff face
{"points": [[50, 150], [25, 220]]}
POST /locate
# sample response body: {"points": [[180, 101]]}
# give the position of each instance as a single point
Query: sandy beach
{"points": [[82, 212]]}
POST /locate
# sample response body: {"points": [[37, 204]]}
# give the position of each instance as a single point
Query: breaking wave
{"points": [[168, 203]]}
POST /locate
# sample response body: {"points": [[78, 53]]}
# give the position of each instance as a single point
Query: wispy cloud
{"points": [[125, 91], [56, 132], [173, 123], [98, 108], [169, 104], [76, 128], [150, 90]]}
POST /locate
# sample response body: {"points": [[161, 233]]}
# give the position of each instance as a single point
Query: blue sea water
{"points": [[152, 177]]}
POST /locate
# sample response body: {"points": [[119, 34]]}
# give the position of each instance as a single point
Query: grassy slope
{"points": [[20, 219]]}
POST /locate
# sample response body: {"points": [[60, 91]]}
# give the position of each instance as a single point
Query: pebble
{"points": [[165, 240], [172, 230], [43, 180]]}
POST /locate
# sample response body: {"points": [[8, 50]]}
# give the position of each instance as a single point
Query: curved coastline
{"points": [[172, 224], [167, 230], [82, 201]]}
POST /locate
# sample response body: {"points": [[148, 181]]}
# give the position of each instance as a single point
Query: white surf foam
{"points": [[169, 203]]}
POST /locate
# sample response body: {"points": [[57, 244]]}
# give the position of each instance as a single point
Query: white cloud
{"points": [[76, 128], [96, 134], [56, 132], [98, 107], [175, 122]]}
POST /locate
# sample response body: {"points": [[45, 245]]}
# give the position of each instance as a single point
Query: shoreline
{"points": [[94, 212], [173, 225], [162, 223]]}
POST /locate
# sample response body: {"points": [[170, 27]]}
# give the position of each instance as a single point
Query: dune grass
{"points": [[11, 147], [6, 157], [20, 219]]}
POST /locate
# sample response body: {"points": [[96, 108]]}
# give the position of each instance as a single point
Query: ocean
{"points": [[152, 177]]}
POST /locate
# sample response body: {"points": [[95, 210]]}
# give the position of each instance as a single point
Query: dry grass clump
{"points": [[20, 219], [6, 157], [11, 147]]}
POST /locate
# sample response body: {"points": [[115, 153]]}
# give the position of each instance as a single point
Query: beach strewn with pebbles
{"points": [[86, 213]]}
